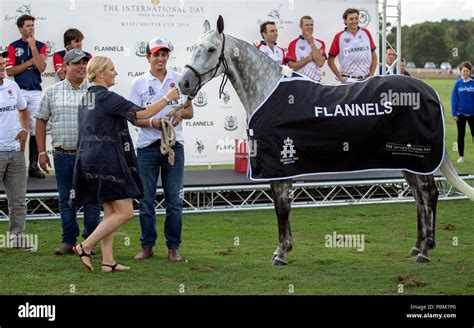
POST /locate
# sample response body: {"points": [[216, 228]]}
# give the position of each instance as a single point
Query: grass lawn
{"points": [[444, 89], [215, 265]]}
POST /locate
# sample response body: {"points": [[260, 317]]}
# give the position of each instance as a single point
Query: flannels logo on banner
{"points": [[101, 48], [201, 99], [230, 123], [135, 74], [364, 18], [140, 48], [288, 152]]}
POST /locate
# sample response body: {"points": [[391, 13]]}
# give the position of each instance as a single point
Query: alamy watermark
{"points": [[75, 99], [230, 146], [336, 240], [37, 311], [394, 98], [25, 241]]}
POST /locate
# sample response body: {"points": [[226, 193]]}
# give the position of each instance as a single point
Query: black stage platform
{"points": [[227, 177]]}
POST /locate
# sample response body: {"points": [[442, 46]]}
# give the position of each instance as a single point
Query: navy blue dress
{"points": [[106, 164]]}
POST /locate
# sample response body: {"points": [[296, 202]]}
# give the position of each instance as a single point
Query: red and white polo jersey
{"points": [[300, 49], [277, 54], [354, 53]]}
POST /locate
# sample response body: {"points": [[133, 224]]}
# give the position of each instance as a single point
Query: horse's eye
{"points": [[211, 49]]}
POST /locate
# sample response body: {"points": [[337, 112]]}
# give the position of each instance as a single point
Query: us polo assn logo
{"points": [[225, 97], [50, 48], [199, 146], [151, 91], [288, 152]]}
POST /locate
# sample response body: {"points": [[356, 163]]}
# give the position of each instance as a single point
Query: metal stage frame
{"points": [[244, 197], [250, 196]]}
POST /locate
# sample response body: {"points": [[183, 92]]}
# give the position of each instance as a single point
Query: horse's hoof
{"points": [[415, 251], [420, 258], [278, 262]]}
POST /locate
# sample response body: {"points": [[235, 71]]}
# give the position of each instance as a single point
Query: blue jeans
{"points": [[64, 167], [150, 162]]}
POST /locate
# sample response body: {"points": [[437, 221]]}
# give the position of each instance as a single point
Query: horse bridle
{"points": [[225, 77]]}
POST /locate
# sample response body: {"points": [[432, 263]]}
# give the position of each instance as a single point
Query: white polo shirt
{"points": [[300, 49], [147, 89], [354, 53], [277, 54], [11, 101]]}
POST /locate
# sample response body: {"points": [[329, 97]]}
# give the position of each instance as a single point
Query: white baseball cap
{"points": [[158, 44]]}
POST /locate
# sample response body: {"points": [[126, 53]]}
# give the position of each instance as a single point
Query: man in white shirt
{"points": [[306, 54], [14, 124], [354, 49], [146, 89], [268, 46]]}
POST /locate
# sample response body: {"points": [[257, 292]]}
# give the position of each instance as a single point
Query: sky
{"points": [[417, 11]]}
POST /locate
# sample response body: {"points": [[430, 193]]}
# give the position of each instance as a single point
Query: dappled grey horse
{"points": [[254, 75]]}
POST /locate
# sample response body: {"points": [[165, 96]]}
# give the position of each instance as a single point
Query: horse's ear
{"points": [[220, 24], [207, 26]]}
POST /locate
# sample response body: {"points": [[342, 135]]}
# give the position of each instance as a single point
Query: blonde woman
{"points": [[106, 168]]}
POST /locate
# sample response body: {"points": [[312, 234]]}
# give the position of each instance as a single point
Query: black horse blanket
{"points": [[384, 123]]}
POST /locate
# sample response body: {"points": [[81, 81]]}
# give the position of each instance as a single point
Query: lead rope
{"points": [[168, 132]]}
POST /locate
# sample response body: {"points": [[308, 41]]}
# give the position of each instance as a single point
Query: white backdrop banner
{"points": [[120, 29]]}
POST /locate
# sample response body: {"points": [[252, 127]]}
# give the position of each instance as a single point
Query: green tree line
{"points": [[449, 40]]}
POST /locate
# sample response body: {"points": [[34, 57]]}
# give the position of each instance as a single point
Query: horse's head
{"points": [[207, 60]]}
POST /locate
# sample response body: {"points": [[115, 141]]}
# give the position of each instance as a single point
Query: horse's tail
{"points": [[452, 176]]}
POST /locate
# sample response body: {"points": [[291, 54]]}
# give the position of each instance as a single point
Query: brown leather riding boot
{"points": [[173, 255], [144, 254]]}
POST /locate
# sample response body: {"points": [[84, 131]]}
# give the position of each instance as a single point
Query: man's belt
{"points": [[358, 77], [65, 151]]}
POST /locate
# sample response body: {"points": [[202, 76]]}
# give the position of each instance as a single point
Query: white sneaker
{"points": [[460, 160]]}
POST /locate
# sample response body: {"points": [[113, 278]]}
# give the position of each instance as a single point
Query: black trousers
{"points": [[461, 124], [33, 153]]}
